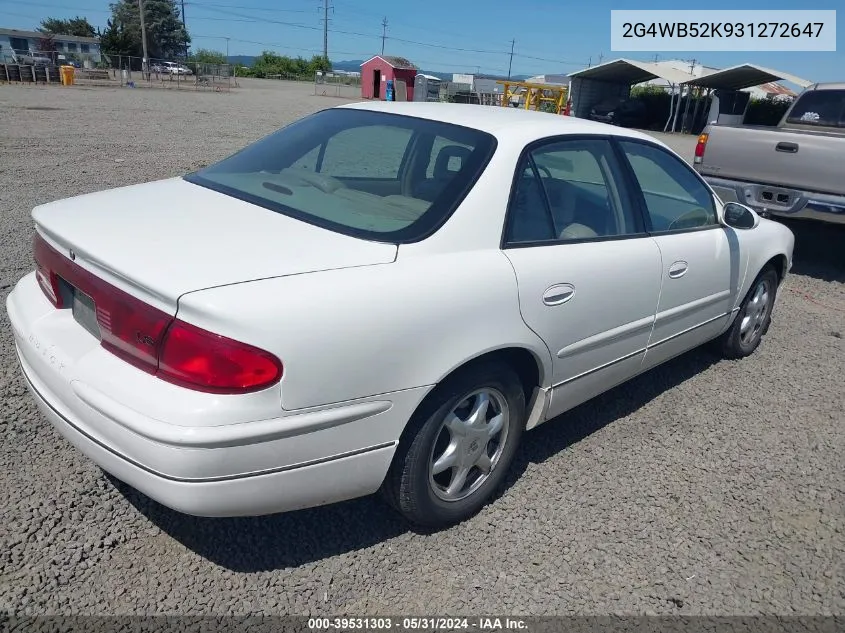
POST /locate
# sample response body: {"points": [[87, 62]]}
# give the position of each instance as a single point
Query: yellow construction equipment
{"points": [[531, 96]]}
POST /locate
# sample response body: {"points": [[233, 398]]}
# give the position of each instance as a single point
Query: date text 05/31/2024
{"points": [[457, 624]]}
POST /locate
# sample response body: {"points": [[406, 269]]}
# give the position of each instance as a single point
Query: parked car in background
{"points": [[298, 326], [33, 58], [792, 170], [157, 67], [619, 111], [63, 60], [172, 68]]}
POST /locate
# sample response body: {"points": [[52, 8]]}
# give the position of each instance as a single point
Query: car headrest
{"points": [[444, 157], [576, 232]]}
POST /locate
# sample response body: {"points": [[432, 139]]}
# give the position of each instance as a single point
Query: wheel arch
{"points": [[527, 364], [780, 263]]}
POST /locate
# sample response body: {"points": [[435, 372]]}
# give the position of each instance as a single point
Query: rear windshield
{"points": [[825, 108], [374, 175]]}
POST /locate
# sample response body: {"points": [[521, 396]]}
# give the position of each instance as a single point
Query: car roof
{"points": [[499, 121]]}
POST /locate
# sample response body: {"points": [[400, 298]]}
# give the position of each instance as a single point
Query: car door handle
{"points": [[678, 269], [558, 294], [791, 148]]}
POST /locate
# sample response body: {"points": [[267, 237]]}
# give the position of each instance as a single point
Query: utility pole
{"points": [[510, 63], [185, 26], [383, 33], [601, 57], [227, 50], [146, 61], [590, 62], [692, 67], [325, 29]]}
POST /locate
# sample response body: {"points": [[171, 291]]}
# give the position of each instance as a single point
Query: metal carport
{"points": [[735, 78], [743, 76], [614, 79]]}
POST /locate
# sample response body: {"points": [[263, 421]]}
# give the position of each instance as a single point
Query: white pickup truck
{"points": [[796, 169]]}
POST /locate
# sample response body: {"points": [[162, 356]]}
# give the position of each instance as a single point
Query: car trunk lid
{"points": [[162, 239]]}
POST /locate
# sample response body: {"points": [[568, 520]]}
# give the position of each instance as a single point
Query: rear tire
{"points": [[458, 446], [753, 319]]}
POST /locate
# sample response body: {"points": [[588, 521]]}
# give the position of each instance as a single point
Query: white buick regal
{"points": [[380, 296]]}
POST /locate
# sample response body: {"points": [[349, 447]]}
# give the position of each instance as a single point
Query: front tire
{"points": [[458, 446], [754, 318]]}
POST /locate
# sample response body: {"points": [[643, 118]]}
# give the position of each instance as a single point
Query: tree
{"points": [[270, 63], [166, 36], [80, 27], [205, 56], [116, 40], [46, 44]]}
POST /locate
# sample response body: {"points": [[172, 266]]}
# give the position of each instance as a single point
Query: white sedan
{"points": [[378, 296]]}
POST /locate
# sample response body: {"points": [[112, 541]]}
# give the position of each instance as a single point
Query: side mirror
{"points": [[739, 216]]}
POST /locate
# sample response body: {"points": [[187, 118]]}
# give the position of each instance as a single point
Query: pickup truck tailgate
{"points": [[811, 161]]}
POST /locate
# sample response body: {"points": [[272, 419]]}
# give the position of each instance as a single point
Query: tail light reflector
{"points": [[700, 147], [153, 340]]}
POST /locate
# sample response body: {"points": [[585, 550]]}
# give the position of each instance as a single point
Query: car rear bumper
{"points": [[781, 201], [274, 464]]}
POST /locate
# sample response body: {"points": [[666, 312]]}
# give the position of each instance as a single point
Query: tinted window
{"points": [[357, 172], [820, 107], [674, 196], [567, 191]]}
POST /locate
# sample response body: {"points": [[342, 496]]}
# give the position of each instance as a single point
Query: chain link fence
{"points": [[336, 84], [131, 71], [118, 70]]}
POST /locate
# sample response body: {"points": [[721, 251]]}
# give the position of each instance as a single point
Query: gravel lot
{"points": [[703, 487]]}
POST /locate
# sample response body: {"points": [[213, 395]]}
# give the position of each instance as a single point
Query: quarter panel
{"points": [[351, 333]]}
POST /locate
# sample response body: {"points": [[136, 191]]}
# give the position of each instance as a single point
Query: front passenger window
{"points": [[675, 198]]}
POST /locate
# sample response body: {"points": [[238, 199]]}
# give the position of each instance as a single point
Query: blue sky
{"points": [[444, 35]]}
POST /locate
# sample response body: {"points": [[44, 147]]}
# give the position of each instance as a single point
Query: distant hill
{"points": [[354, 65], [242, 60]]}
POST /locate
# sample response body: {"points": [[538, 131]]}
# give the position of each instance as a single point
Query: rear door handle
{"points": [[678, 269], [790, 148], [558, 294]]}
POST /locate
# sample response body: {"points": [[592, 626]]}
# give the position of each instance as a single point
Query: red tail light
{"points": [[198, 359], [700, 147], [47, 278], [153, 340]]}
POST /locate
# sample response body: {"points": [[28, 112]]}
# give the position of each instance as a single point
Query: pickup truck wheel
{"points": [[459, 446], [755, 315]]}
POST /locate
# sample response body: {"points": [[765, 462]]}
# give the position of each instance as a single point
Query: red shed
{"points": [[377, 70]]}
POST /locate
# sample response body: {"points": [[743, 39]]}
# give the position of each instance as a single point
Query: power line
{"points": [[383, 33], [248, 8], [326, 5]]}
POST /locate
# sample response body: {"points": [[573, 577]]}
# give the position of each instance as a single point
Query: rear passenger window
{"points": [[568, 191], [675, 198]]}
